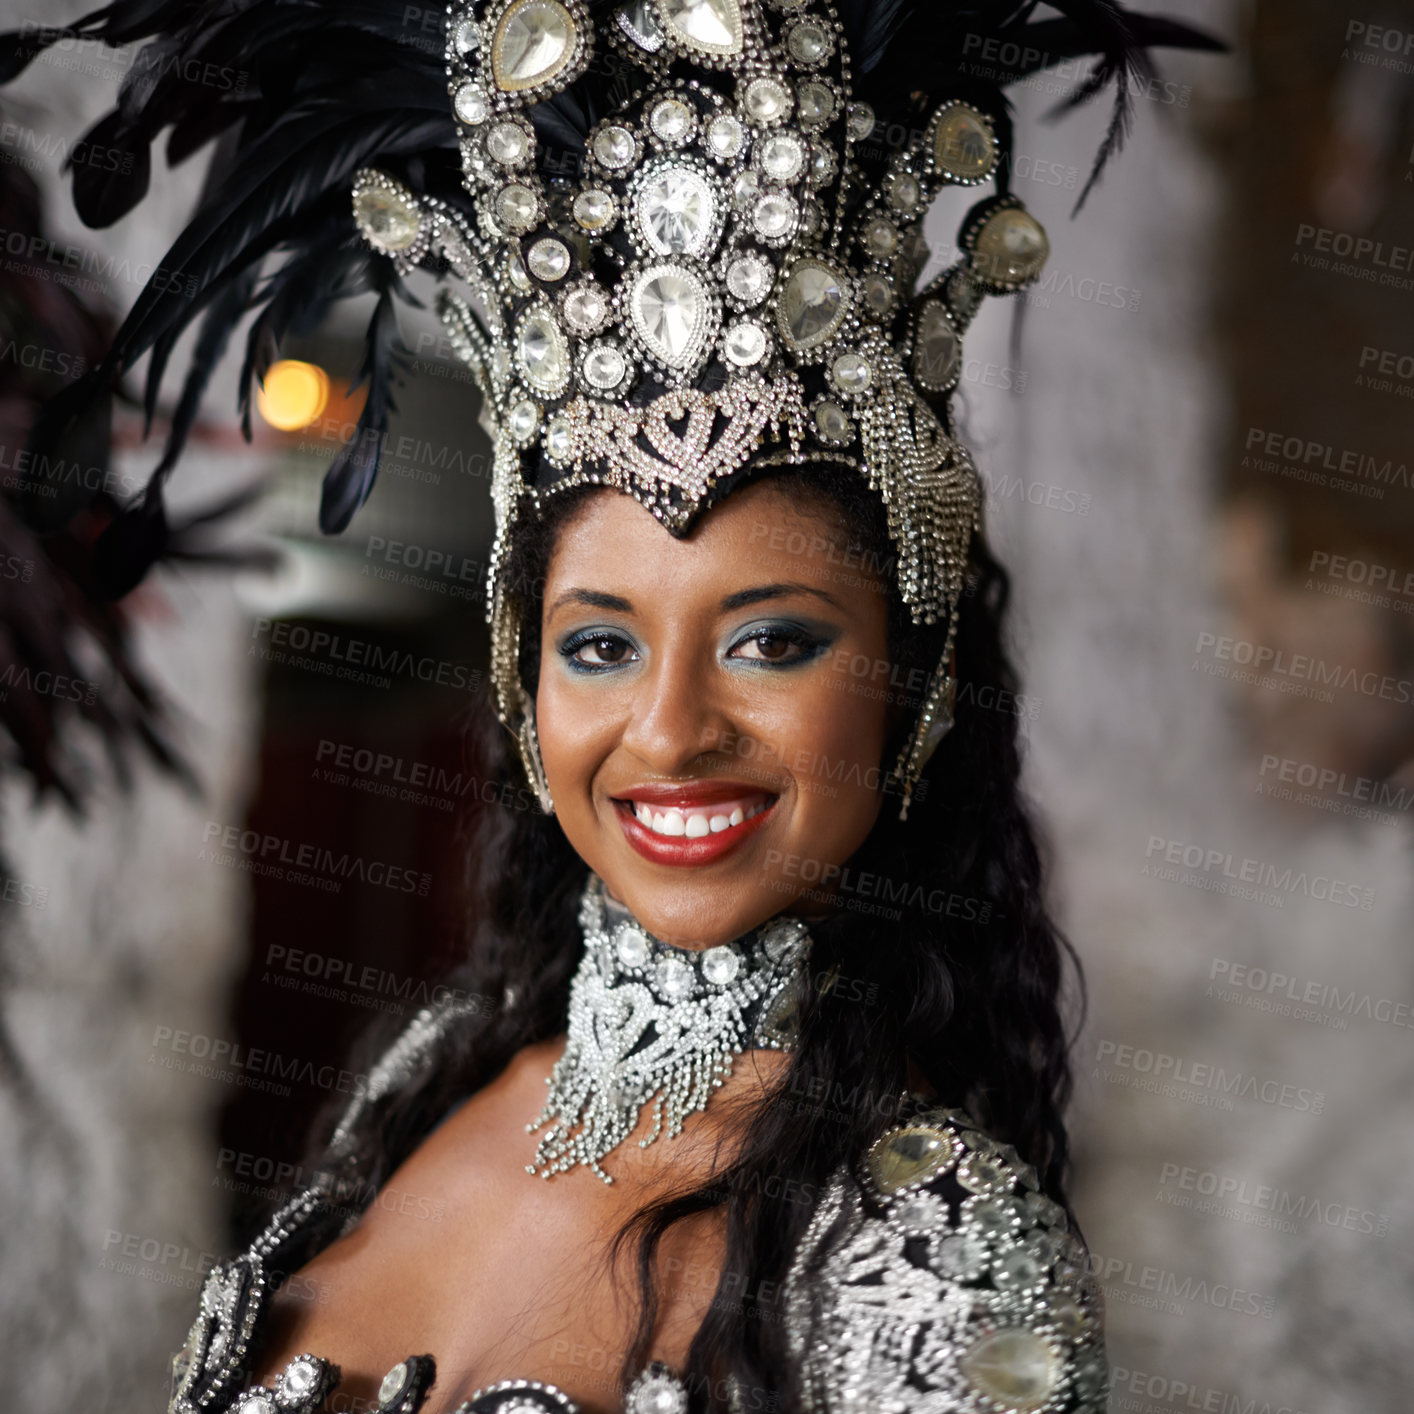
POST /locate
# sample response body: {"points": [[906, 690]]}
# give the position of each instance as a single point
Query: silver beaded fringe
{"points": [[647, 1020]]}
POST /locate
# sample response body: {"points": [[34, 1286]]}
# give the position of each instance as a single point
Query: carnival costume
{"points": [[676, 241]]}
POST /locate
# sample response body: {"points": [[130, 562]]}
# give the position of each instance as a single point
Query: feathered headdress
{"points": [[677, 238]]}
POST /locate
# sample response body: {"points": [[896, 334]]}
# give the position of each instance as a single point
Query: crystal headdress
{"points": [[676, 239]]}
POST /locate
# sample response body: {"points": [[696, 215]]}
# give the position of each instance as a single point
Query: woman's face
{"points": [[711, 742]]}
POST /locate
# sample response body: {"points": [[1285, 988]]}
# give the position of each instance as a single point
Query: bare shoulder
{"points": [[936, 1275]]}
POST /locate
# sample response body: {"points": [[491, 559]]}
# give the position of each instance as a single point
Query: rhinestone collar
{"points": [[652, 1021]]}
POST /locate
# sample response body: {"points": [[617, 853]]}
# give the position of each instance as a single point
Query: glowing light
{"points": [[294, 394]]}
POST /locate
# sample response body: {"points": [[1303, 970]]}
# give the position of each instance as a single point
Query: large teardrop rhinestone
{"points": [[1014, 1367], [676, 211], [813, 304], [708, 26], [542, 351], [1010, 249], [534, 41], [907, 1155], [937, 351], [672, 314]]}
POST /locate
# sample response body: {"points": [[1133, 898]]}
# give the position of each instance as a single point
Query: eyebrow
{"points": [[758, 594]]}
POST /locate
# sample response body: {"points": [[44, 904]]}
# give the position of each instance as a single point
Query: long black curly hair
{"points": [[948, 958]]}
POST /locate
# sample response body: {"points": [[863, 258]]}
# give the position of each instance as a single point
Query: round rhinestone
{"points": [[594, 209], [993, 1218], [766, 100], [878, 293], [919, 1214], [548, 259], [749, 279], [300, 1377], [775, 215], [822, 166], [832, 423], [257, 1402], [879, 237], [812, 304], [388, 217], [614, 146], [1010, 248], [516, 207], [534, 42], [816, 104], [516, 271], [959, 1256], [851, 373], [903, 191], [782, 157], [861, 121], [745, 344], [981, 1173], [1013, 1367], [508, 143], [1017, 1268], [1067, 1313], [963, 148], [672, 120], [466, 38], [675, 978], [676, 211], [720, 965], [809, 43], [605, 367], [745, 189], [470, 104], [393, 1382], [937, 351], [917, 1151], [542, 351], [557, 440], [523, 420], [725, 135], [632, 947], [709, 26], [585, 308]]}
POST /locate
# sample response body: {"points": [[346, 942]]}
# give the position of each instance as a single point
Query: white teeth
{"points": [[694, 824]]}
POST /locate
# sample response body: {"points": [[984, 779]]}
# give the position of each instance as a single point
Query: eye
{"points": [[779, 644], [597, 650]]}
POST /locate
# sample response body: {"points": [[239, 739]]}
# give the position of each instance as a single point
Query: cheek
{"points": [[572, 727]]}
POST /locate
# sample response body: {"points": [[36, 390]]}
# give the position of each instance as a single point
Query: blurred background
{"points": [[1197, 434]]}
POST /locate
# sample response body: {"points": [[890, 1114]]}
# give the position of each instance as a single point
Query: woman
{"points": [[796, 1003]]}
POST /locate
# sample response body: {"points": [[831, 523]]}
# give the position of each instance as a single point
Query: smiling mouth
{"points": [[695, 822]]}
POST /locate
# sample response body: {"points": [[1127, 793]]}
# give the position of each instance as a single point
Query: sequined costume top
{"points": [[933, 1278]]}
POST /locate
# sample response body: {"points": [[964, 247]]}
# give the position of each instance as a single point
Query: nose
{"points": [[679, 711]]}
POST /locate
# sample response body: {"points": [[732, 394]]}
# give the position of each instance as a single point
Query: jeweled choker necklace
{"points": [[647, 1019]]}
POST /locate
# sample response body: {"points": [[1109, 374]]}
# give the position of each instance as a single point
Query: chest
{"points": [[497, 1273]]}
